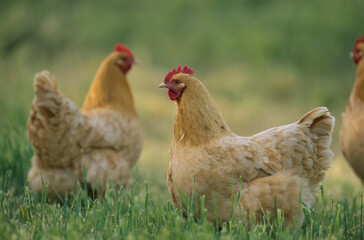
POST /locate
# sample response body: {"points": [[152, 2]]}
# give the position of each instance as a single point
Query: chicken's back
{"points": [[222, 161], [54, 125], [302, 147], [296, 152], [102, 143]]}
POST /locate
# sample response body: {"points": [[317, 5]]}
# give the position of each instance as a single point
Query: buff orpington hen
{"points": [[352, 129], [99, 142], [276, 167]]}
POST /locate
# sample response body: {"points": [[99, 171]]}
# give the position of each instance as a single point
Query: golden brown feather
{"points": [[104, 137], [281, 164], [352, 129]]}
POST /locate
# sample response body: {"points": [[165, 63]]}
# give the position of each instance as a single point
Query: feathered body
{"points": [[352, 129], [281, 164], [102, 140]]}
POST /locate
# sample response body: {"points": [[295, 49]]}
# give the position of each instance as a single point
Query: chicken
{"points": [[99, 142], [276, 167], [352, 132]]}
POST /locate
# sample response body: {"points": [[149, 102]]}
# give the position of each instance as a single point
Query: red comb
{"points": [[359, 40], [122, 48], [185, 69]]}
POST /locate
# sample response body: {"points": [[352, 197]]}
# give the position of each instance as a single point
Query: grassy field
{"points": [[265, 63]]}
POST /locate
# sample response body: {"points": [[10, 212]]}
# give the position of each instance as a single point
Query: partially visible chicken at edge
{"points": [[352, 129]]}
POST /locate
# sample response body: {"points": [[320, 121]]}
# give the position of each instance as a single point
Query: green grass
{"points": [[265, 63], [141, 212]]}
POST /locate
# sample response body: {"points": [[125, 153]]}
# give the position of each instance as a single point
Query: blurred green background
{"points": [[266, 63]]}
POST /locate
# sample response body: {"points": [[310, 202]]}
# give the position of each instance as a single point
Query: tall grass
{"points": [[137, 213]]}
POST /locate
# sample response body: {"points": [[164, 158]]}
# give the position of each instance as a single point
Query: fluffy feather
{"points": [[104, 137], [282, 163]]}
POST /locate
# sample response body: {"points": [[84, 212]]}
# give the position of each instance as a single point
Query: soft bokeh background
{"points": [[265, 63]]}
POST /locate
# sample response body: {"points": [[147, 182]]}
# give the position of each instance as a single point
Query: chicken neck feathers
{"points": [[110, 89]]}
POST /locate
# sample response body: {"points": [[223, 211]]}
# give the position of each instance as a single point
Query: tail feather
{"points": [[47, 95], [49, 124], [320, 124]]}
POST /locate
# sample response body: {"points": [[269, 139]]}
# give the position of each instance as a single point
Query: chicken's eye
{"points": [[176, 81]]}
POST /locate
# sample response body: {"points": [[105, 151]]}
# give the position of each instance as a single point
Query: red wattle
{"points": [[172, 95]]}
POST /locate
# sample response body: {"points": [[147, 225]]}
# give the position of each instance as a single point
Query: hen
{"points": [[100, 142], [352, 132], [276, 167]]}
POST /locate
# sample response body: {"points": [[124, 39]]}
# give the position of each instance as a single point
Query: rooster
{"points": [[272, 169], [352, 133], [99, 142]]}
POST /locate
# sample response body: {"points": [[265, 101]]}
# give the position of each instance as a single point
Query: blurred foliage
{"points": [[310, 38], [299, 33]]}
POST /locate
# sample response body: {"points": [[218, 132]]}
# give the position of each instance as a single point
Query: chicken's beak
{"points": [[351, 55], [162, 85], [136, 61]]}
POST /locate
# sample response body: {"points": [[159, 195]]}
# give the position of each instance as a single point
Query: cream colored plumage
{"points": [[352, 129], [104, 137], [283, 163]]}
